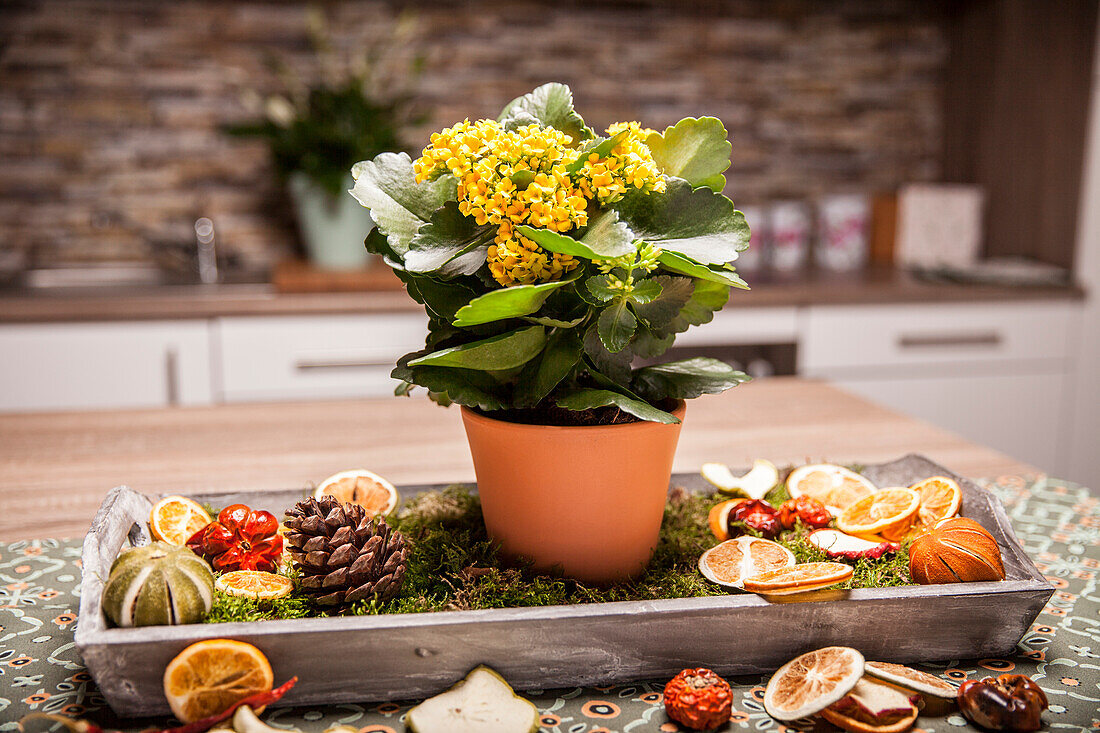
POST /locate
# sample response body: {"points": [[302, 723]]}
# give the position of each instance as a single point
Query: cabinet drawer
{"points": [[846, 338], [308, 357]]}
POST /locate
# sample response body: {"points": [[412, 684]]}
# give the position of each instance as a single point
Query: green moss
{"points": [[452, 565]]}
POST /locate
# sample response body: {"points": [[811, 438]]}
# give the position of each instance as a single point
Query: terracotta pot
{"points": [[587, 500]]}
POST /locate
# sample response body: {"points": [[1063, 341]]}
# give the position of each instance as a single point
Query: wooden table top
{"points": [[55, 468]]}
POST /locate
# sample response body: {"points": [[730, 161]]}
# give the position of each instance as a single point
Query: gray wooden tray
{"points": [[394, 657]]}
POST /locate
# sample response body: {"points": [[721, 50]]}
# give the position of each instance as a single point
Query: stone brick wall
{"points": [[110, 110]]}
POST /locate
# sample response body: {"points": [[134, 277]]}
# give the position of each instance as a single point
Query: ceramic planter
{"points": [[585, 500], [333, 228]]}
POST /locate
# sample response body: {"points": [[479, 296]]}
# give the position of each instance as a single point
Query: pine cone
{"points": [[343, 554]]}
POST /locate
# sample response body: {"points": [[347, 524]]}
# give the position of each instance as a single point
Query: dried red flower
{"points": [[805, 509], [240, 539]]}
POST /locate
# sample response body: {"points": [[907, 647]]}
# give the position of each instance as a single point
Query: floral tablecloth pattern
{"points": [[1057, 522]]}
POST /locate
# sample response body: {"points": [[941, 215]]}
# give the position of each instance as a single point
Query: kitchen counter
{"points": [[874, 286], [55, 468]]}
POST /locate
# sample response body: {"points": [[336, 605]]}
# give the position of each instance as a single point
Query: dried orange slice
{"points": [[362, 487], [912, 679], [734, 560], [940, 498], [209, 676], [799, 578], [812, 682], [175, 518], [718, 518], [256, 584], [834, 486], [888, 512]]}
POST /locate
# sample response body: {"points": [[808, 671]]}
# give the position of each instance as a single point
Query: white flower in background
{"points": [[279, 110]]}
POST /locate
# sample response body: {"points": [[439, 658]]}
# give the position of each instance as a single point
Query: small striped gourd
{"points": [[156, 585]]}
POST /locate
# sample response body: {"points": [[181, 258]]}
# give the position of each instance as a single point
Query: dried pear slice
{"points": [[482, 701]]}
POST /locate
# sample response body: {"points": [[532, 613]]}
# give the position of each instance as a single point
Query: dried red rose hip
{"points": [[756, 514], [1011, 702], [699, 699], [805, 509]]}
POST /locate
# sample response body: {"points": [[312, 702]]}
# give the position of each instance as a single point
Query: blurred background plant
{"points": [[359, 106]]}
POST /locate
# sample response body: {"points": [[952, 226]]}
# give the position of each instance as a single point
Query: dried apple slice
{"points": [[754, 484], [912, 679], [480, 702], [873, 706], [812, 682], [839, 545]]}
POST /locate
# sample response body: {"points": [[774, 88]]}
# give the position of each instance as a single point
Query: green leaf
{"points": [[588, 399], [659, 312], [615, 366], [649, 344], [550, 105], [555, 322], [377, 244], [464, 386], [598, 286], [518, 300], [697, 223], [645, 291], [440, 299], [449, 245], [543, 373], [601, 146], [504, 351], [616, 325], [398, 204], [695, 149], [707, 298], [606, 238], [685, 380], [686, 266]]}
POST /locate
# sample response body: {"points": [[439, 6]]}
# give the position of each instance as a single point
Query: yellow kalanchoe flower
{"points": [[512, 177]]}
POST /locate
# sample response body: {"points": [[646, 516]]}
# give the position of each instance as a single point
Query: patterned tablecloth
{"points": [[1057, 522]]}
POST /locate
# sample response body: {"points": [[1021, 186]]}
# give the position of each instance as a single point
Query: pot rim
{"points": [[679, 411]]}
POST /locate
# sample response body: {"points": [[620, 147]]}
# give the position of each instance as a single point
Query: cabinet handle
{"points": [[172, 375], [988, 339], [307, 365]]}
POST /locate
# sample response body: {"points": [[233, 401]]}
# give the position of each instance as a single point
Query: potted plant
{"points": [[548, 259], [359, 108]]}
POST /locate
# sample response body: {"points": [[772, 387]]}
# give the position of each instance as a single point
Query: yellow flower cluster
{"points": [[628, 165], [511, 177]]}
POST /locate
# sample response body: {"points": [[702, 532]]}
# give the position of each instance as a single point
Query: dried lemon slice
{"points": [[834, 486], [812, 682], [362, 487]]}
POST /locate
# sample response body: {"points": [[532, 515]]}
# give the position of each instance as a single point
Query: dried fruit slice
{"points": [[940, 498], [209, 676], [482, 701], [812, 682], [754, 484], [799, 578], [834, 486], [362, 487], [842, 546], [873, 706], [732, 561], [175, 518], [886, 512], [718, 518], [913, 679], [255, 584]]}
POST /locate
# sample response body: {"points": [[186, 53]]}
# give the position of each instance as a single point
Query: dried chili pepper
{"points": [[699, 699], [755, 514], [805, 509], [240, 539], [259, 700], [1010, 702]]}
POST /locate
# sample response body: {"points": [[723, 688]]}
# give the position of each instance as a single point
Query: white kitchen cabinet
{"points": [[740, 326], [313, 357], [997, 374], [70, 366]]}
